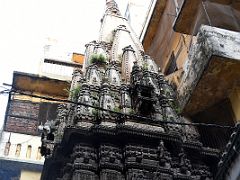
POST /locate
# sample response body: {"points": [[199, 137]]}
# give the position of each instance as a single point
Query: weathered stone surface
{"points": [[116, 129], [212, 70]]}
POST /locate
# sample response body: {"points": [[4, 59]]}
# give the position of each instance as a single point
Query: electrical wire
{"points": [[4, 91], [23, 142], [123, 115]]}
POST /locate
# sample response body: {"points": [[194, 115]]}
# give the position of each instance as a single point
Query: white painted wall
{"points": [[25, 141]]}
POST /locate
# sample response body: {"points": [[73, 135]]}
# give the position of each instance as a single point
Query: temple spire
{"points": [[112, 8]]}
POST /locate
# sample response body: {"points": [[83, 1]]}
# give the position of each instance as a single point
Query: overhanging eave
{"points": [[41, 85], [218, 13]]}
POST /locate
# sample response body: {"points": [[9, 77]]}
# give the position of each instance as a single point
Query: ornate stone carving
{"points": [[191, 134], [125, 100], [149, 64], [112, 75], [110, 157], [112, 8], [157, 112], [100, 142], [106, 102], [136, 74], [127, 63], [202, 172], [164, 156], [84, 157], [93, 75], [184, 163], [138, 156], [88, 52], [47, 138], [108, 174], [137, 174], [84, 175], [110, 162], [83, 112], [77, 75], [60, 122], [67, 172]]}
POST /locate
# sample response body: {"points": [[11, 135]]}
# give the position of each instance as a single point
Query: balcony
{"points": [[218, 13], [212, 71]]}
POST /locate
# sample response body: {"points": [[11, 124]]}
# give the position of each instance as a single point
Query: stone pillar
{"points": [[127, 63]]}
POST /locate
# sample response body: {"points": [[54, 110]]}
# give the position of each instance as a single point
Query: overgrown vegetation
{"points": [[116, 109], [176, 107], [95, 113], [73, 94], [98, 59], [131, 111], [145, 66]]}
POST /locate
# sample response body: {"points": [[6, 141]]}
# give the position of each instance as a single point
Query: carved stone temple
{"points": [[122, 122]]}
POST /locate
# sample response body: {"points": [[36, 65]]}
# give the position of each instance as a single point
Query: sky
{"points": [[25, 26]]}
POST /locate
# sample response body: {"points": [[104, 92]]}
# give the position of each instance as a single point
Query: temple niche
{"points": [[120, 121]]}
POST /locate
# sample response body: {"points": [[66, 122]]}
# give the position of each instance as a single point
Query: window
{"points": [[29, 151], [39, 156], [7, 149], [18, 150]]}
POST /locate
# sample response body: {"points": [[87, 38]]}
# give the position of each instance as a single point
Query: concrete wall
{"points": [[167, 42]]}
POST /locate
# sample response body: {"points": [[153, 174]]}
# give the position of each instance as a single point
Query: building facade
{"points": [[202, 62], [137, 13], [20, 142], [121, 122]]}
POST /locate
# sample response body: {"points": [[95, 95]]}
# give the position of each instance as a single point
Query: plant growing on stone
{"points": [[95, 112], [131, 111], [145, 66], [116, 109], [97, 58], [67, 90], [74, 93], [176, 107]]}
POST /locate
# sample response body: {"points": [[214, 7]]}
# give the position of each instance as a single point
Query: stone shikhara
{"points": [[114, 141]]}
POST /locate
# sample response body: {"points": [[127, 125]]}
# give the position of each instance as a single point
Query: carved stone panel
{"points": [[84, 157], [164, 156], [138, 156], [84, 175], [108, 174], [137, 174], [110, 157]]}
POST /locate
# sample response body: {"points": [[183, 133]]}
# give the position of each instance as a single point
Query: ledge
{"points": [[213, 69], [41, 85]]}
